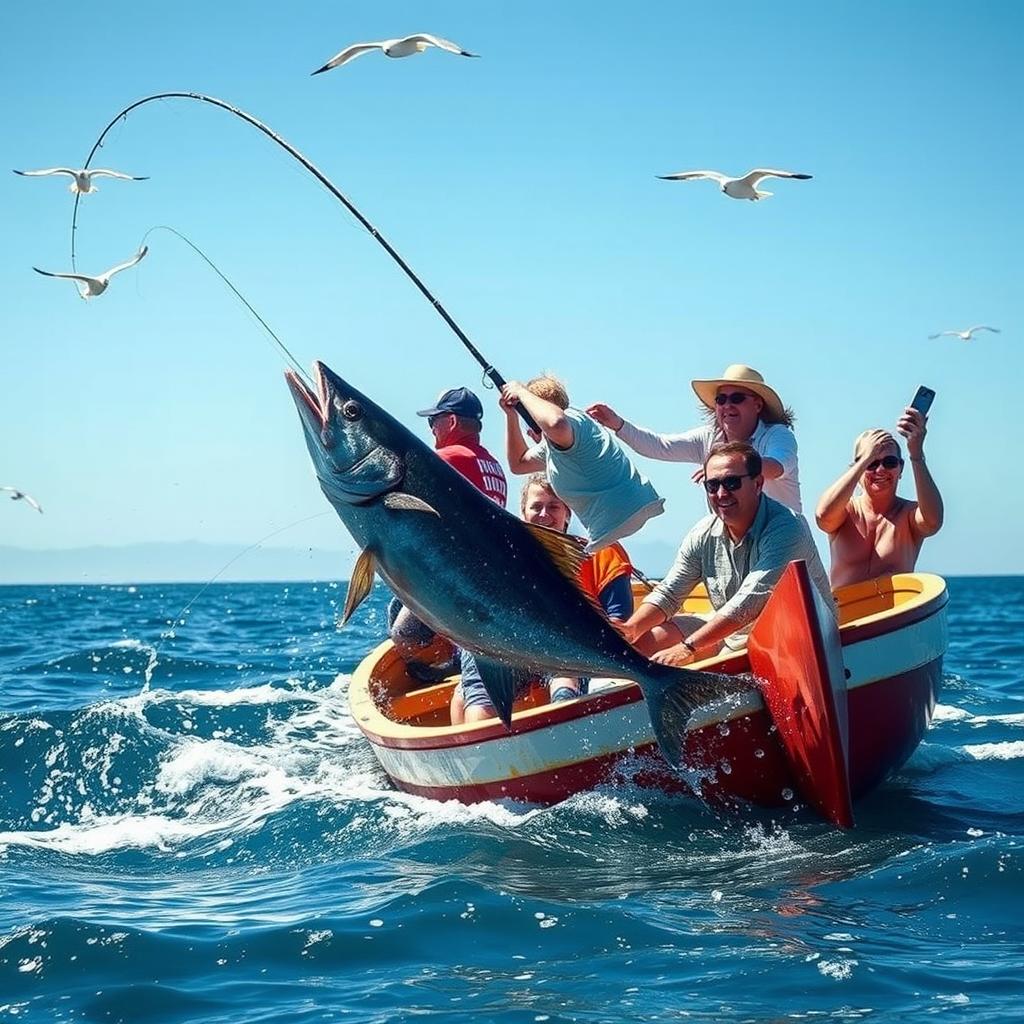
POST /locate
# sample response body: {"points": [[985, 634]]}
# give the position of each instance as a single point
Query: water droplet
{"points": [[787, 794], [759, 752]]}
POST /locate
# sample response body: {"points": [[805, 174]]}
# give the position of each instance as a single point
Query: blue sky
{"points": [[522, 188]]}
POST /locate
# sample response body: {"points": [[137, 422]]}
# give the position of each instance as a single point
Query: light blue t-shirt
{"points": [[595, 478]]}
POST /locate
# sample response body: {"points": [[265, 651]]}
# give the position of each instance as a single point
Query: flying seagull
{"points": [[395, 48], [82, 179], [737, 188], [17, 495], [965, 335], [89, 287]]}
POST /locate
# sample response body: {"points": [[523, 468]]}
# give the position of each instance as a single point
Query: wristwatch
{"points": [[690, 647]]}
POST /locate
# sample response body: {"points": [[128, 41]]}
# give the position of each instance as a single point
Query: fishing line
{"points": [[488, 369], [289, 358], [171, 633]]}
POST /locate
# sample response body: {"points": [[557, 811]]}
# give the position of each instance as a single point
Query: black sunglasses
{"points": [[888, 461], [736, 398], [431, 420], [730, 483]]}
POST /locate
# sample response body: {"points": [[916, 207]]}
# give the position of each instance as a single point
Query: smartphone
{"points": [[922, 401]]}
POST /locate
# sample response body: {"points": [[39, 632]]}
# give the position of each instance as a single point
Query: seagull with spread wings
{"points": [[964, 335], [82, 179], [737, 188], [89, 287], [17, 495], [405, 47]]}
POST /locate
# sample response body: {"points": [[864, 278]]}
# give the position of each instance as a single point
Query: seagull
{"points": [[89, 287], [82, 182], [395, 48], [17, 495], [737, 188], [965, 335]]}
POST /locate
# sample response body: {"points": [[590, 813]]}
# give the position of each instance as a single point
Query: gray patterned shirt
{"points": [[740, 576]]}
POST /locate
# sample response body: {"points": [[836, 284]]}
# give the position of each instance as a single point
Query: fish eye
{"points": [[351, 409]]}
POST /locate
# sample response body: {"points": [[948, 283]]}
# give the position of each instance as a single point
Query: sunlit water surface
{"points": [[193, 829]]}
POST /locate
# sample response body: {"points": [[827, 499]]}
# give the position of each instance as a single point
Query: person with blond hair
{"points": [[876, 532], [586, 466], [740, 407]]}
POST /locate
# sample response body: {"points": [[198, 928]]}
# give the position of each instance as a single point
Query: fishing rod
{"points": [[490, 372]]}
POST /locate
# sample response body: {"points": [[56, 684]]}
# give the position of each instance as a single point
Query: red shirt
{"points": [[468, 457]]}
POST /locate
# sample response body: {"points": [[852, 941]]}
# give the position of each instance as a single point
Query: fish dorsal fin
{"points": [[360, 584], [565, 550], [400, 501], [568, 553]]}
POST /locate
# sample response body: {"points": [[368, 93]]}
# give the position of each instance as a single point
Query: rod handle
{"points": [[499, 382]]}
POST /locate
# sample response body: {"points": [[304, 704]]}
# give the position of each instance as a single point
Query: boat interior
{"points": [[403, 700]]}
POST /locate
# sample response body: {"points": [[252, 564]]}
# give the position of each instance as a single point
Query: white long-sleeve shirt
{"points": [[770, 441]]}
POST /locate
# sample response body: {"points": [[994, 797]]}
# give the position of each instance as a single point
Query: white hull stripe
{"points": [[628, 726]]}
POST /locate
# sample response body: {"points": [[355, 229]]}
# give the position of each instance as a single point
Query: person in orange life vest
{"points": [[455, 420], [605, 575]]}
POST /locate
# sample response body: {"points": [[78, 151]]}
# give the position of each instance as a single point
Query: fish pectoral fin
{"points": [[502, 682], [400, 501], [566, 551], [360, 584]]}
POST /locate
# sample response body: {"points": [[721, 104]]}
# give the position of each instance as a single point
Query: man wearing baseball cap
{"points": [[455, 420]]}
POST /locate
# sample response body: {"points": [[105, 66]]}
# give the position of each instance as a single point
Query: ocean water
{"points": [[192, 829]]}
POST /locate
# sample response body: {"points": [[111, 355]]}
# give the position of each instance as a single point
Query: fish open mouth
{"points": [[314, 401], [313, 404]]}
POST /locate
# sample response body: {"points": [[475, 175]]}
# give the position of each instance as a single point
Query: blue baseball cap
{"points": [[458, 401]]}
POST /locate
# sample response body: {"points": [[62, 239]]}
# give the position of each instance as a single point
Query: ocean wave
{"points": [[945, 713]]}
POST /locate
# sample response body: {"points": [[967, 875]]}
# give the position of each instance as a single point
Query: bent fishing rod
{"points": [[489, 371]]}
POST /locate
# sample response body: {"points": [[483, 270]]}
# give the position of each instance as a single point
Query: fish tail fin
{"points": [[674, 694]]}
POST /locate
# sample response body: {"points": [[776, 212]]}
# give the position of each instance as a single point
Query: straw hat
{"points": [[745, 377]]}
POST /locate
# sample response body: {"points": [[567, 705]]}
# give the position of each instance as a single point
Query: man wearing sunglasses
{"points": [[740, 407], [739, 552], [876, 532]]}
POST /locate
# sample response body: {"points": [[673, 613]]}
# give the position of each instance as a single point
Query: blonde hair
{"points": [[537, 480], [858, 444], [550, 388]]}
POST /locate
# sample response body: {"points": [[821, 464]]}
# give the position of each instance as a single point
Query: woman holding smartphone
{"points": [[876, 533]]}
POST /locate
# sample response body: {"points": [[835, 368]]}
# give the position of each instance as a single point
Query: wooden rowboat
{"points": [[829, 717]]}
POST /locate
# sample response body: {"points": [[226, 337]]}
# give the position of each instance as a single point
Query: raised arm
{"points": [[520, 460], [553, 423], [929, 513], [831, 511], [690, 446]]}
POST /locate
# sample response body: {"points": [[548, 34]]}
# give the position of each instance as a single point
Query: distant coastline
{"points": [[195, 562]]}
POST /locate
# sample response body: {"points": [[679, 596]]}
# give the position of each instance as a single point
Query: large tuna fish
{"points": [[495, 585]]}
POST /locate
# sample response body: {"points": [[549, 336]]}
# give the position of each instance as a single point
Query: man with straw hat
{"points": [[741, 407]]}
